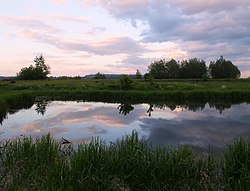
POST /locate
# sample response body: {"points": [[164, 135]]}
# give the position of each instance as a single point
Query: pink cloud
{"points": [[29, 23], [59, 2], [80, 19]]}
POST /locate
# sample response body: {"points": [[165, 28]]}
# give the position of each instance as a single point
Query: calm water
{"points": [[79, 121]]}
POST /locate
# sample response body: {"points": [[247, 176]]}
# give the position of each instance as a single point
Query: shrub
{"points": [[125, 82]]}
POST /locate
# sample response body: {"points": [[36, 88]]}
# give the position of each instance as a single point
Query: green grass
{"points": [[128, 164], [141, 91], [236, 165]]}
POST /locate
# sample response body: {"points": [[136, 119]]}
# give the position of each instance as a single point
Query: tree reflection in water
{"points": [[150, 109], [41, 107], [125, 108], [3, 116]]}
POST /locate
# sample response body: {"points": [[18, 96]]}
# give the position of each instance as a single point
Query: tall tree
{"points": [[157, 69], [37, 72], [42, 70], [172, 69], [223, 69], [138, 74], [193, 68]]}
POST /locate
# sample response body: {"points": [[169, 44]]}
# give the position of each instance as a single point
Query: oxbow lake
{"points": [[160, 125]]}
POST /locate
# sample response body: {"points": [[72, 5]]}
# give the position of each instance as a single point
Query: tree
{"points": [[164, 70], [172, 69], [42, 70], [193, 68], [37, 72], [157, 69], [146, 76], [100, 76], [223, 69], [138, 74]]}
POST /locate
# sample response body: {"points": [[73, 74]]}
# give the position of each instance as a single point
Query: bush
{"points": [[125, 82]]}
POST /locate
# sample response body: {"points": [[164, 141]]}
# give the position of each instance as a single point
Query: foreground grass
{"points": [[130, 164]]}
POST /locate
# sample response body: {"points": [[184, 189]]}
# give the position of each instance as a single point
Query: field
{"points": [[140, 90]]}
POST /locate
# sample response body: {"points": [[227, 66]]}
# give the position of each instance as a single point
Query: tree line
{"points": [[193, 68]]}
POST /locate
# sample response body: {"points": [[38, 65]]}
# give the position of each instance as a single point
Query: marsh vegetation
{"points": [[128, 164]]}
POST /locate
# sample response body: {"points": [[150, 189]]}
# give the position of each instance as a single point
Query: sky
{"points": [[80, 37]]}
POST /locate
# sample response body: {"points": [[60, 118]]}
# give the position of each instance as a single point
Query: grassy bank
{"points": [[140, 91], [129, 164]]}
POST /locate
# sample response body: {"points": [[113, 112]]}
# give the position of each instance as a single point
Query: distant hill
{"points": [[6, 77], [109, 76]]}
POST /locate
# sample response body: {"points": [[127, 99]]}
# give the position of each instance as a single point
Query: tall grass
{"points": [[236, 165], [128, 164]]}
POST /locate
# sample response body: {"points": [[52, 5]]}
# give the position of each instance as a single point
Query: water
{"points": [[197, 126]]}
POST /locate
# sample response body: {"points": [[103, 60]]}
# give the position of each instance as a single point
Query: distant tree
{"points": [[193, 68], [172, 69], [125, 82], [37, 72], [146, 76], [77, 77], [223, 69], [138, 74], [100, 76], [157, 69]]}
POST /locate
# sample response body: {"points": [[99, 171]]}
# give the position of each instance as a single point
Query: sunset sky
{"points": [[79, 37]]}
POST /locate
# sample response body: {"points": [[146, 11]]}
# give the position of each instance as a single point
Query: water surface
{"points": [[159, 124]]}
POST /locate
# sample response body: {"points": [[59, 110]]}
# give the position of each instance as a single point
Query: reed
{"points": [[236, 165], [128, 164]]}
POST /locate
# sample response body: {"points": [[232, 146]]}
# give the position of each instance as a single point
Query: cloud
{"points": [[107, 46], [29, 23], [197, 29], [197, 6], [63, 18], [134, 60], [95, 30], [58, 2], [204, 29]]}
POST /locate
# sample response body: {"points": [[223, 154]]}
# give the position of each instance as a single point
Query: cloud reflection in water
{"points": [[78, 122]]}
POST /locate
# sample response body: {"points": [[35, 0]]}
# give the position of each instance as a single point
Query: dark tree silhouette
{"points": [[138, 74], [41, 107], [223, 69], [125, 108], [150, 109], [100, 76], [37, 72], [193, 68]]}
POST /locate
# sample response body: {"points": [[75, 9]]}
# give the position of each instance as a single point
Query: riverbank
{"points": [[129, 164], [140, 91]]}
